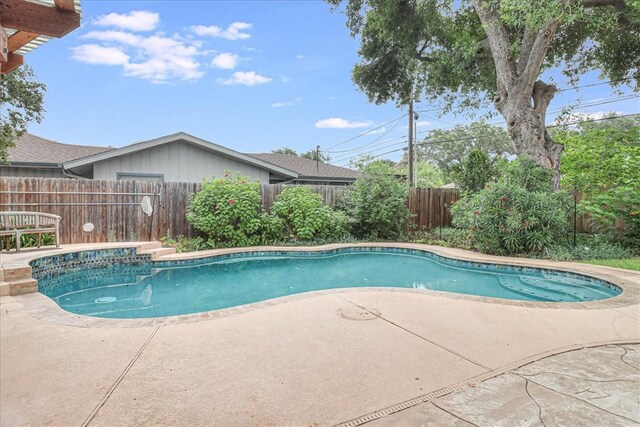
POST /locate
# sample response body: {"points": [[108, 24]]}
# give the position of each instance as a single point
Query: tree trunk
{"points": [[525, 117]]}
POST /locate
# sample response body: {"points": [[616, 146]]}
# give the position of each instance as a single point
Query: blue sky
{"points": [[249, 75]]}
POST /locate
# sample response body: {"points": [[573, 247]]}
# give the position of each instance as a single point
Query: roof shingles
{"points": [[33, 149], [307, 168]]}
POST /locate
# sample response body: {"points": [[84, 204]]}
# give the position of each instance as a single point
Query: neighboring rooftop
{"points": [[307, 168], [34, 149]]}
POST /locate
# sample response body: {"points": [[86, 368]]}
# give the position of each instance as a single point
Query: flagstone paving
{"points": [[591, 386]]}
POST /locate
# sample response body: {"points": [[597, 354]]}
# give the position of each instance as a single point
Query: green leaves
{"points": [[377, 207], [517, 214], [474, 172], [304, 215], [21, 100], [604, 164], [228, 211]]}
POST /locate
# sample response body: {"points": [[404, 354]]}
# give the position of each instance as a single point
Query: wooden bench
{"points": [[19, 223]]}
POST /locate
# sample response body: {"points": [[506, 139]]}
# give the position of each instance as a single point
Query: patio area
{"points": [[324, 358]]}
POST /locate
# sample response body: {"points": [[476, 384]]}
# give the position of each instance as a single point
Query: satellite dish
{"points": [[146, 205], [88, 227]]}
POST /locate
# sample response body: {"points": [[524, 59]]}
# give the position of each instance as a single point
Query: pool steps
{"points": [[18, 280], [535, 291]]}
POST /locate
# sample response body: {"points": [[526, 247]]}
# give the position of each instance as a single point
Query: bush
{"points": [[588, 247], [305, 217], [518, 214], [302, 212], [445, 236], [604, 165], [184, 244], [228, 211], [377, 208], [271, 229], [474, 172]]}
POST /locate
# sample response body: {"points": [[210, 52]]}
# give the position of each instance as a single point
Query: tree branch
{"points": [[542, 95], [533, 65], [498, 42], [528, 39]]}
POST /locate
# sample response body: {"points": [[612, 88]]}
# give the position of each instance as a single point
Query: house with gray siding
{"points": [[176, 157]]}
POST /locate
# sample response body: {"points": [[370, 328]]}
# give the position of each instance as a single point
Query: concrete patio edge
{"points": [[43, 308]]}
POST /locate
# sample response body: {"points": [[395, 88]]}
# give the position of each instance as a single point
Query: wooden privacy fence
{"points": [[114, 207]]}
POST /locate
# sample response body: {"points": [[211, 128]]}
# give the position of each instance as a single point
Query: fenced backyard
{"points": [[114, 207]]}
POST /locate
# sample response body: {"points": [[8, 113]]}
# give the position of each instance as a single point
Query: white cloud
{"points": [[286, 103], [375, 132], [226, 61], [285, 79], [136, 20], [338, 123], [423, 123], [299, 56], [114, 36], [245, 78], [95, 54], [155, 58], [233, 31]]}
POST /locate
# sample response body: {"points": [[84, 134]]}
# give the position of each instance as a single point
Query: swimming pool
{"points": [[156, 289]]}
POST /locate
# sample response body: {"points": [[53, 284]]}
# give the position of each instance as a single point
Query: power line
{"points": [[476, 136], [349, 157], [366, 133], [559, 90], [375, 140]]}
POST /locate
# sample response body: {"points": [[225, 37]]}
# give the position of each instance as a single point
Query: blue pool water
{"points": [[129, 291]]}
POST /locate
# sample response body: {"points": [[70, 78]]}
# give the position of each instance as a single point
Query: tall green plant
{"points": [[377, 207], [517, 214], [474, 172], [604, 164], [228, 211], [302, 211]]}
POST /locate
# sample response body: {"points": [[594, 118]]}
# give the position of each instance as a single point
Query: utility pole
{"points": [[416, 116], [410, 140]]}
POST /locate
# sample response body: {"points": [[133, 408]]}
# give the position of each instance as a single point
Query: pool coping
{"points": [[43, 308]]}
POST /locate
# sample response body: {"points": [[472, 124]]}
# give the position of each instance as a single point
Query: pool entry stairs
{"points": [[549, 288], [17, 280]]}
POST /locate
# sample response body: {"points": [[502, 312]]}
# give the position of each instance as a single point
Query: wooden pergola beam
{"points": [[65, 5], [19, 39], [13, 62], [36, 18]]}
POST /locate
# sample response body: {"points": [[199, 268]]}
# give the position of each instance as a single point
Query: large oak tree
{"points": [[466, 53]]}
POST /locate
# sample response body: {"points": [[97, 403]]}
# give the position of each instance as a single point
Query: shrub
{"points": [[228, 211], [302, 212], [517, 214], [305, 217], [474, 172], [604, 164], [185, 244], [588, 247], [445, 236], [271, 229], [377, 208]]}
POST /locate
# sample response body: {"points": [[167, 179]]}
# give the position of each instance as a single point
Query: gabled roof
{"points": [[307, 168], [34, 150], [177, 137]]}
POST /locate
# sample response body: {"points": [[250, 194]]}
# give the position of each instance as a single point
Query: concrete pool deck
{"points": [[324, 358]]}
